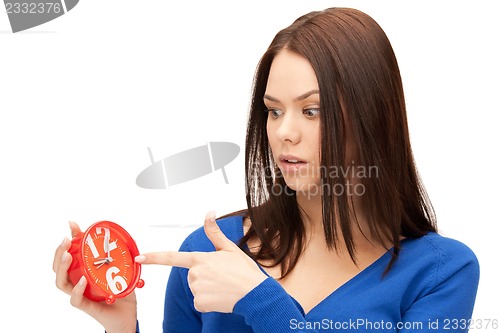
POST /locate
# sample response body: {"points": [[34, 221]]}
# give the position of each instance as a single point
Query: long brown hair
{"points": [[361, 97]]}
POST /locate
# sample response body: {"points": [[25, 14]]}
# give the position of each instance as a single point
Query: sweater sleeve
{"points": [[269, 309], [448, 304]]}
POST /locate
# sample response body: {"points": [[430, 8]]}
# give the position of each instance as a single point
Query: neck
{"points": [[312, 215]]}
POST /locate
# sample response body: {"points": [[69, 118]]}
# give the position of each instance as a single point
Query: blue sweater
{"points": [[430, 288]]}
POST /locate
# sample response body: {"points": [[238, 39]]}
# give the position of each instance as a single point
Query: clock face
{"points": [[108, 260]]}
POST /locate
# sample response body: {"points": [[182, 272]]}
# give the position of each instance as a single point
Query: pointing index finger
{"points": [[177, 259]]}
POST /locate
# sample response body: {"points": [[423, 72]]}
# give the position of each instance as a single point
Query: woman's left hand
{"points": [[218, 280]]}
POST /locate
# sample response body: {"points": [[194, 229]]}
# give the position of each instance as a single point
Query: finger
{"points": [[63, 247], [216, 236], [77, 298], [94, 309], [62, 279], [75, 229], [177, 259]]}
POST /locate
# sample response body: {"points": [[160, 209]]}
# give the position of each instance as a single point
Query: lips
{"points": [[291, 159], [291, 163]]}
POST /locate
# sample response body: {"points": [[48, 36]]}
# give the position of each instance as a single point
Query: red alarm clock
{"points": [[105, 254]]}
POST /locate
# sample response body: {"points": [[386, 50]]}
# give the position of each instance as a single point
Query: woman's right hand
{"points": [[119, 317]]}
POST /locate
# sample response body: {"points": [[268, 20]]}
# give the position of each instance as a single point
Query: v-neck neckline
{"points": [[338, 291]]}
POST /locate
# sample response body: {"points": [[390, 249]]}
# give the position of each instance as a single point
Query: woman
{"points": [[339, 234]]}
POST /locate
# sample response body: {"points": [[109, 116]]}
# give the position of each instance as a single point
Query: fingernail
{"points": [[140, 258], [82, 281], [211, 216], [65, 256], [65, 242]]}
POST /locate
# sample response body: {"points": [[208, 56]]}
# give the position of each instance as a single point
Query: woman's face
{"points": [[292, 98]]}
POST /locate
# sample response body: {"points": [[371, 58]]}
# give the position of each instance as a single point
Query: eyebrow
{"points": [[296, 99]]}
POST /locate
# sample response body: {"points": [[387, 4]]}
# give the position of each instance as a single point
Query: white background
{"points": [[83, 96]]}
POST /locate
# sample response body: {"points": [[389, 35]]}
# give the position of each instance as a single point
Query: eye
{"points": [[311, 113], [275, 113]]}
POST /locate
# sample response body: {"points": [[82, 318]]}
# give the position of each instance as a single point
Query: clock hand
{"points": [[105, 261], [106, 248], [100, 261], [106, 243]]}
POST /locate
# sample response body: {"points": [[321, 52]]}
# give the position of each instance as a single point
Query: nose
{"points": [[288, 128]]}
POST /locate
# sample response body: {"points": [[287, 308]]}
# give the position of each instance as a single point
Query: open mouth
{"points": [[293, 161]]}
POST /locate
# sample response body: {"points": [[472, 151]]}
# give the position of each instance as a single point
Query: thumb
{"points": [[216, 236], [75, 229]]}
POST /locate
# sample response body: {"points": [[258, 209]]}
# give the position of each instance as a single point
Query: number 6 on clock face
{"points": [[107, 260]]}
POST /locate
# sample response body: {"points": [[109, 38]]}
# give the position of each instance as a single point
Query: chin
{"points": [[304, 187]]}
